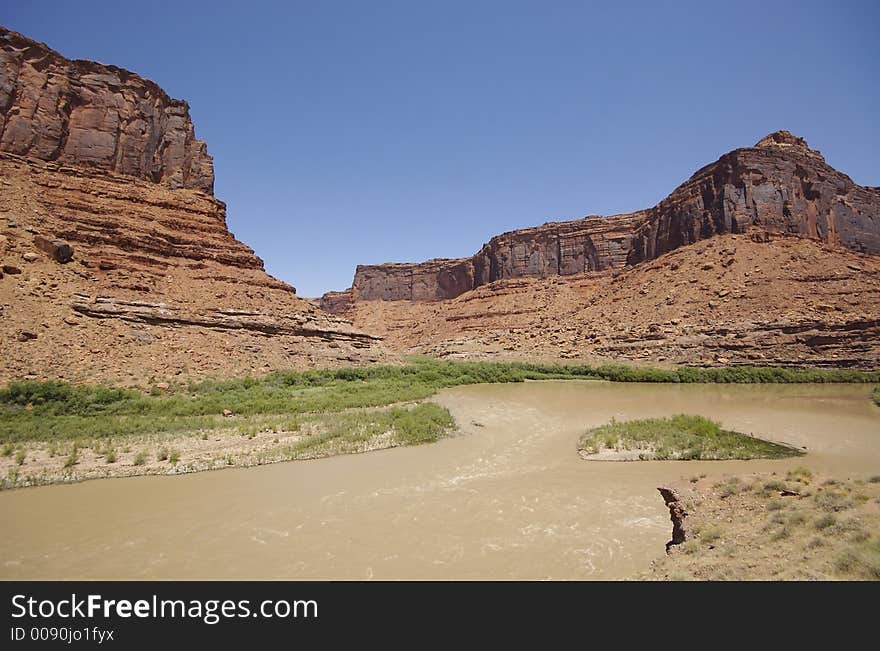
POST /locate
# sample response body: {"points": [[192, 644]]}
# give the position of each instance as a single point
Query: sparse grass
{"points": [[710, 534], [681, 437], [861, 561], [729, 487], [162, 454], [825, 521], [72, 459], [140, 458], [110, 455], [774, 485], [173, 457], [20, 457], [800, 474], [780, 534], [833, 501], [797, 519]]}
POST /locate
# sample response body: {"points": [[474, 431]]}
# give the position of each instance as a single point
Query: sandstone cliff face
{"points": [[778, 186], [554, 249], [125, 269], [93, 115]]}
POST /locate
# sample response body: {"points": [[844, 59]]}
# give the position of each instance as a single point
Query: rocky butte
{"points": [[768, 255], [117, 262]]}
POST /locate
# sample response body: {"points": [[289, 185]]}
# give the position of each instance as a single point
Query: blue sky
{"points": [[365, 132]]}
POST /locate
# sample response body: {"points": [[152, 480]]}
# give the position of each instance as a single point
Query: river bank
{"points": [[52, 432]]}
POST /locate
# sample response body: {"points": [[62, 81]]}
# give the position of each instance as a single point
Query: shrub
{"points": [[862, 561], [72, 459]]}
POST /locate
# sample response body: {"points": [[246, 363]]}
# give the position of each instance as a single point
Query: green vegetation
{"points": [[680, 437], [876, 395], [72, 459], [50, 411], [354, 431]]}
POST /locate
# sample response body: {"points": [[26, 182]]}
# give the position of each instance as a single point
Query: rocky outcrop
{"points": [[60, 251], [88, 114], [778, 186], [677, 514]]}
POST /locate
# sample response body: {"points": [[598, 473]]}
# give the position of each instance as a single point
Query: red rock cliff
{"points": [[780, 185], [93, 115], [115, 259]]}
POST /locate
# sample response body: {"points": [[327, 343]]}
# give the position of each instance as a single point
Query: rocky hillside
{"points": [[778, 186], [732, 299], [767, 257], [115, 259]]}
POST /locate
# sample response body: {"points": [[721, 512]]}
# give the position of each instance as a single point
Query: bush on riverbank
{"points": [[682, 437]]}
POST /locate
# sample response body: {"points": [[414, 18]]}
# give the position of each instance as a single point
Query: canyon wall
{"points": [[778, 186], [116, 262], [93, 115]]}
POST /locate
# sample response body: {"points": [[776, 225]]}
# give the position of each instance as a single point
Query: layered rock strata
{"points": [[93, 115], [125, 268]]}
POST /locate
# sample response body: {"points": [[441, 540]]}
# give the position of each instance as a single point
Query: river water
{"points": [[508, 498]]}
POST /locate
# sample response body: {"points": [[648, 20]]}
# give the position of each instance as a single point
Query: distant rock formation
{"points": [[778, 186], [93, 115]]}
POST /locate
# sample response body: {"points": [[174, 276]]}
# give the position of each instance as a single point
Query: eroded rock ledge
{"points": [[302, 325]]}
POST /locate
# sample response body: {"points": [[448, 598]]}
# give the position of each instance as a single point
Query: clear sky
{"points": [[365, 132]]}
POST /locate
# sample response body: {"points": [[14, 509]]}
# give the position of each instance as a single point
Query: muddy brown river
{"points": [[508, 498]]}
